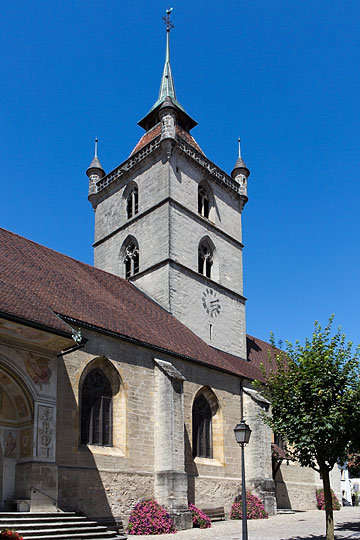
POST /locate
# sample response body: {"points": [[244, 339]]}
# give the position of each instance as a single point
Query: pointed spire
{"points": [[167, 86], [95, 166], [167, 89], [240, 164]]}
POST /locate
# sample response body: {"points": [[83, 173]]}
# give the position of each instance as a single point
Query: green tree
{"points": [[314, 391]]}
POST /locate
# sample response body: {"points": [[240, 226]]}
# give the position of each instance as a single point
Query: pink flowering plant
{"points": [[200, 519], [8, 534], [320, 498], [254, 508], [148, 517]]}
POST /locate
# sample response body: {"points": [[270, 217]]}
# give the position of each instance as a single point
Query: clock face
{"points": [[211, 302]]}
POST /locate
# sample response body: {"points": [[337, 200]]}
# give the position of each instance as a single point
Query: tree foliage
{"points": [[314, 391]]}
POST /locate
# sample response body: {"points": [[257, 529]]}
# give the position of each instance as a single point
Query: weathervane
{"points": [[167, 21]]}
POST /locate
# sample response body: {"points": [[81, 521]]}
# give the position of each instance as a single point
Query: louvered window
{"points": [[202, 432], [96, 410]]}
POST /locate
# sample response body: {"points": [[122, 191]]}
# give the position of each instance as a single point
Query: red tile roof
{"points": [[258, 352], [37, 283], [188, 138], [156, 130], [147, 137]]}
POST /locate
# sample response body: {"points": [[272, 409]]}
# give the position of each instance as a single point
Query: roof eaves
{"points": [[151, 346], [34, 324]]}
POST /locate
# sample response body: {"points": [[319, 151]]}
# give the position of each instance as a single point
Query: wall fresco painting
{"points": [[26, 443], [10, 444], [38, 369], [21, 406]]}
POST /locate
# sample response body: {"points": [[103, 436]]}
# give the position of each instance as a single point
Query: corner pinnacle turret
{"points": [[167, 90], [241, 173], [94, 171]]}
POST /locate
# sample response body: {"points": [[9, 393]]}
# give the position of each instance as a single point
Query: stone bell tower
{"points": [[169, 220]]}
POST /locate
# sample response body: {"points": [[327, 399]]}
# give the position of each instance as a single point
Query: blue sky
{"points": [[284, 75]]}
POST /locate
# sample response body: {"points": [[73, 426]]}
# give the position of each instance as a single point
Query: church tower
{"points": [[169, 220]]}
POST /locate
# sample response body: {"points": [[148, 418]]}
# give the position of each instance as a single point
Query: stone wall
{"points": [[296, 486], [152, 452], [185, 179], [93, 478], [168, 230]]}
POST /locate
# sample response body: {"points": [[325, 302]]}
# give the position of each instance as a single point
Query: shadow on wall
{"points": [[190, 468], [81, 487], [281, 492]]}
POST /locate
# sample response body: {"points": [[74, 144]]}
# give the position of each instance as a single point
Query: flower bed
{"points": [[254, 508], [200, 519], [8, 534], [148, 517], [320, 498]]}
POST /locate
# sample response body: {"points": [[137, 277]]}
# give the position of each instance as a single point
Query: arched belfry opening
{"points": [[205, 201], [130, 257], [207, 258]]}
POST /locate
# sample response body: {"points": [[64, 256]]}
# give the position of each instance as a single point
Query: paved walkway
{"points": [[308, 525]]}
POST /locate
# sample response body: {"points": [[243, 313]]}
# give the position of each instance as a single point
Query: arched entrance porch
{"points": [[16, 429]]}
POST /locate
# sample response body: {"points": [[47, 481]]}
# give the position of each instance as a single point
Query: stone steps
{"points": [[55, 526]]}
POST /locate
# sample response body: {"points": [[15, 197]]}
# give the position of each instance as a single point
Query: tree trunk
{"points": [[328, 504]]}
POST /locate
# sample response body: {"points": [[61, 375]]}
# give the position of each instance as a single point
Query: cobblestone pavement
{"points": [[308, 525]]}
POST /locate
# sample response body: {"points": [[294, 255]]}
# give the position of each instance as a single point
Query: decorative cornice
{"points": [[14, 344], [215, 173], [128, 164]]}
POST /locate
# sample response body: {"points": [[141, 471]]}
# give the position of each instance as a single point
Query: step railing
{"points": [[54, 502]]}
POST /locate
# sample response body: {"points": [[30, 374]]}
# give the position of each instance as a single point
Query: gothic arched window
{"points": [[132, 203], [96, 409], [203, 202], [202, 428], [205, 259], [131, 259]]}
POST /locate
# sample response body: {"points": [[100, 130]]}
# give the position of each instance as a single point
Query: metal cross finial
{"points": [[239, 140], [96, 143], [167, 21]]}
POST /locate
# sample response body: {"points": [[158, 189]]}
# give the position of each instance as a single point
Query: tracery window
{"points": [[96, 409], [132, 204], [202, 428], [205, 260], [131, 260], [203, 202]]}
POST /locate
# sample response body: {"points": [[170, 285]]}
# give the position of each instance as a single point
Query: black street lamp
{"points": [[242, 436]]}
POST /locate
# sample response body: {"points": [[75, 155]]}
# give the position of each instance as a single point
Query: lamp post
{"points": [[242, 436]]}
